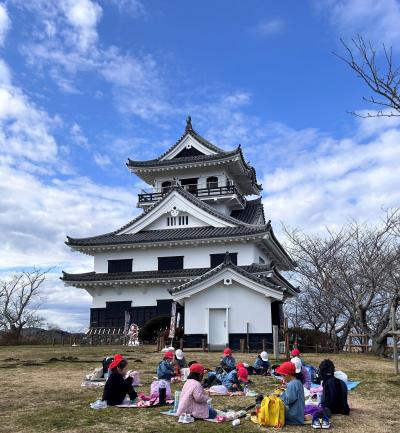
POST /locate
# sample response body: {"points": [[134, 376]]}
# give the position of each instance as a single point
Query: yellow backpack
{"points": [[272, 412]]}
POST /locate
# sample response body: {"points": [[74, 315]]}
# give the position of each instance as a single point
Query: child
{"points": [[193, 399], [261, 365], [295, 353], [293, 397], [179, 362], [165, 370], [116, 387], [233, 380], [228, 361], [302, 373], [334, 396]]}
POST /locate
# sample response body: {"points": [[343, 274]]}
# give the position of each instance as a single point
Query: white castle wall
{"points": [[194, 256], [245, 305], [144, 296]]}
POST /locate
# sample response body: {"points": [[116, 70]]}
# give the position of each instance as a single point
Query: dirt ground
{"points": [[40, 392]]}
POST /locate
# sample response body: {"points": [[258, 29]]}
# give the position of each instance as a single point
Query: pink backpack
{"points": [[160, 384]]}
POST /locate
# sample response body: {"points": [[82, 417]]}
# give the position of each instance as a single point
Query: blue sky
{"points": [[85, 84]]}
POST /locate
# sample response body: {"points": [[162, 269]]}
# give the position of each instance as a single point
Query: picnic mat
{"points": [[350, 385], [144, 404]]}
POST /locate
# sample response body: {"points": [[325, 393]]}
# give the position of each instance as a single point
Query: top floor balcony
{"points": [[227, 194]]}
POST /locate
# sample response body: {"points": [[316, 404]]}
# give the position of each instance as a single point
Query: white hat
{"points": [[179, 354], [297, 362], [264, 356]]}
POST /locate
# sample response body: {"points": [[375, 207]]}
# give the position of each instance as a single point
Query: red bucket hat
{"points": [[227, 352], [196, 368], [243, 374], [168, 355], [287, 368], [115, 362], [295, 352]]}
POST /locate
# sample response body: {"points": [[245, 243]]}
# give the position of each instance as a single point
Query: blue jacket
{"points": [[293, 399], [165, 370], [259, 363], [229, 379], [228, 362]]}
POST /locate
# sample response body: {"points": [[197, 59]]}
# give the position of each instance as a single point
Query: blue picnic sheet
{"points": [[350, 385]]}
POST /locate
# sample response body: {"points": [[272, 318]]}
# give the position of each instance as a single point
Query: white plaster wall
{"points": [[245, 305], [143, 296], [194, 256]]}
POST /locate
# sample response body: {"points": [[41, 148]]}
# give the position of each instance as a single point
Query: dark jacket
{"points": [[116, 388], [334, 396]]}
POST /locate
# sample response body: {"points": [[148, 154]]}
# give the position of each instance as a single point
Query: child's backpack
{"points": [[135, 376], [106, 362], [272, 412], [311, 370], [156, 385]]}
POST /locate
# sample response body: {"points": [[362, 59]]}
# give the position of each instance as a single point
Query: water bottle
{"points": [[176, 401], [162, 393]]}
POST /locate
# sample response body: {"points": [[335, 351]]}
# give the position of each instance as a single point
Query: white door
{"points": [[217, 331]]}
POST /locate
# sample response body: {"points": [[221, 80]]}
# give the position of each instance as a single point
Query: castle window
{"points": [[212, 182], [165, 186], [217, 259], [182, 220], [122, 265], [170, 263]]}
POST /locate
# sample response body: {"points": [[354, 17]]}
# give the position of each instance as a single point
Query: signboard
{"points": [[127, 322], [173, 321]]}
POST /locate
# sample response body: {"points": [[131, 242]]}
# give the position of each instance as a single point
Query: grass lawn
{"points": [[43, 395]]}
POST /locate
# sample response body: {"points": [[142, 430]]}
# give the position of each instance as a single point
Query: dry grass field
{"points": [[40, 392]]}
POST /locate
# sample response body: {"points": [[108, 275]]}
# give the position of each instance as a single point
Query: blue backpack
{"points": [[311, 371]]}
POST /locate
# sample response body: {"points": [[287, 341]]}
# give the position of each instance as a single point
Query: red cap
{"points": [[295, 352], [243, 374], [116, 360], [227, 352], [287, 368], [196, 368], [169, 355], [239, 365]]}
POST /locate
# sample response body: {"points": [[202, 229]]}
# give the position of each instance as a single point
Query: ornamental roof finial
{"points": [[227, 258], [188, 124]]}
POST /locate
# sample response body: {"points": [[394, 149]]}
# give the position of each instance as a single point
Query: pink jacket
{"points": [[193, 400]]}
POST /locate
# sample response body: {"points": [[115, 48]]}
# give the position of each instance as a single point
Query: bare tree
{"points": [[350, 280], [19, 302], [384, 84]]}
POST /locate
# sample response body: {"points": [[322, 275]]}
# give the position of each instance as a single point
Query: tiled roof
{"points": [[190, 131], [227, 263], [251, 213], [143, 275], [184, 160], [167, 235]]}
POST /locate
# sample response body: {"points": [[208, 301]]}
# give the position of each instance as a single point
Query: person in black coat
{"points": [[116, 387], [334, 395]]}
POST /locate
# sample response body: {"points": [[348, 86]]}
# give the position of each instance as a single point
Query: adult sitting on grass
{"points": [[193, 399], [117, 387], [293, 397]]}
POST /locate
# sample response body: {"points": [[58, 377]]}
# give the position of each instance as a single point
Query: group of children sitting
{"points": [[195, 399]]}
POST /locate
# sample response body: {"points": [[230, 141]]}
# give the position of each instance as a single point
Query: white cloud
{"points": [[270, 27], [131, 7], [83, 16], [24, 127], [5, 23], [78, 136], [69, 45], [375, 20], [102, 160]]}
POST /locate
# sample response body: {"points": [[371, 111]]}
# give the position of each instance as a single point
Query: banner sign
{"points": [[173, 321]]}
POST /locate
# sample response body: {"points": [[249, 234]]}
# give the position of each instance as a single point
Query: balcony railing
{"points": [[155, 194]]}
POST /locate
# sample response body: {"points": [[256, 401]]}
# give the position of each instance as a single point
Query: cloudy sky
{"points": [[85, 84]]}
